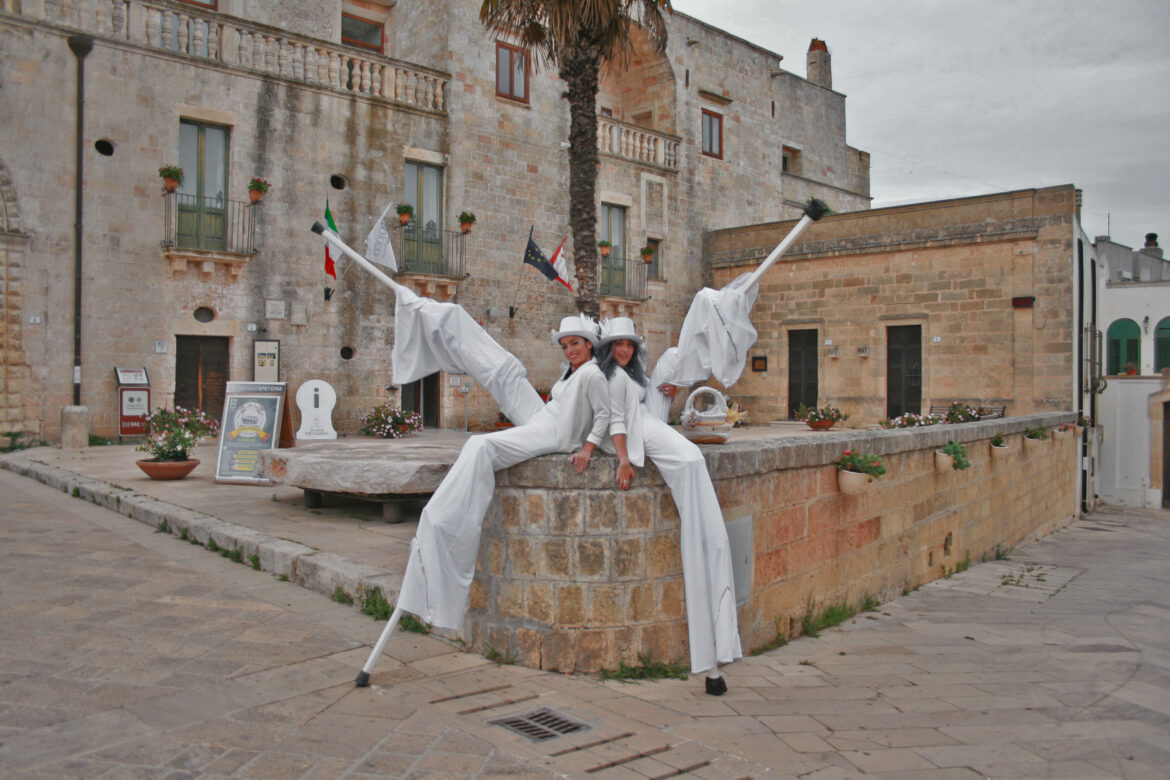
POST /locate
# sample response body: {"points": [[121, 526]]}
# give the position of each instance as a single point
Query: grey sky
{"points": [[954, 98]]}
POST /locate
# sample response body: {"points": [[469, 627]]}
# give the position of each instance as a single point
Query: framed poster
{"points": [[265, 361], [253, 414]]}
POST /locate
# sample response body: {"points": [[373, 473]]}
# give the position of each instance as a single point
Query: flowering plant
{"points": [[863, 462], [390, 423], [258, 185], [804, 414], [1067, 427], [171, 172], [736, 414], [1084, 422], [172, 433], [961, 413], [912, 420]]}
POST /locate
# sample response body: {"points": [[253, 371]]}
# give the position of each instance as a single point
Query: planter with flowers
{"points": [[172, 176], [170, 435], [466, 220], [1035, 437], [855, 470], [1129, 369], [1066, 429], [820, 419], [912, 420], [647, 253], [951, 456], [257, 189], [999, 447], [604, 247], [405, 213], [389, 422]]}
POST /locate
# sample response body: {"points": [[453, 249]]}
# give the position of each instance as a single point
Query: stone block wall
{"points": [[575, 576]]}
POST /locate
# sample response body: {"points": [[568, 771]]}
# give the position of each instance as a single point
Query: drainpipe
{"points": [[80, 45]]}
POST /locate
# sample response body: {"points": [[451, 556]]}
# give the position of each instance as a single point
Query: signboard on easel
{"points": [[255, 418]]}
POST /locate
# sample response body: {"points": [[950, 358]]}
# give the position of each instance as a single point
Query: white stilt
{"points": [[363, 678]]}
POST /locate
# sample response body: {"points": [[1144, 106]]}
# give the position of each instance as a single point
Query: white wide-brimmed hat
{"points": [[616, 328], [576, 325]]}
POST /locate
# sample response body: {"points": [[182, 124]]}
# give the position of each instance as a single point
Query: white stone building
{"points": [[361, 103]]}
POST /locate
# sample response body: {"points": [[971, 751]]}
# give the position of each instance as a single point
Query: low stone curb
{"points": [[300, 564]]}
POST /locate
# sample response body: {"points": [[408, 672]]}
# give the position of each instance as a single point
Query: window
{"points": [[790, 161], [613, 268], [712, 134], [361, 33], [654, 267], [202, 196], [1162, 345], [1124, 346], [511, 72], [422, 247]]}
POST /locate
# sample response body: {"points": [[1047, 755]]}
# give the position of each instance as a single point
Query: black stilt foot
{"points": [[716, 686], [363, 679]]}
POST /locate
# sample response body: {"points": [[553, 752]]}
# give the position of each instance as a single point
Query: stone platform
{"points": [[400, 474]]}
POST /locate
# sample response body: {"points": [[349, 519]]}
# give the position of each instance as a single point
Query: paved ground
{"points": [[130, 653]]}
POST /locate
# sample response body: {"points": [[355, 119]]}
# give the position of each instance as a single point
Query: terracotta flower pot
{"points": [[170, 185], [404, 219], [465, 227], [168, 469], [821, 425], [604, 251], [648, 258], [851, 481], [255, 196]]}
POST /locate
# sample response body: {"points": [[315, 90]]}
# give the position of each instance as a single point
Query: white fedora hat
{"points": [[576, 325], [616, 328]]}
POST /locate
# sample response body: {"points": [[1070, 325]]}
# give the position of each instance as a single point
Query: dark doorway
{"points": [[802, 370], [423, 397], [1166, 455], [904, 370], [201, 373]]}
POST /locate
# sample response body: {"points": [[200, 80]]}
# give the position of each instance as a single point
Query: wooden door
{"points": [[201, 373], [802, 370], [903, 370]]}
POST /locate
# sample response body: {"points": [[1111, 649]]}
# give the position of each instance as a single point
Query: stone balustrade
{"points": [[193, 32], [574, 575], [639, 144]]}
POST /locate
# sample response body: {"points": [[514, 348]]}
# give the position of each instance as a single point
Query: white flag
{"points": [[379, 248]]}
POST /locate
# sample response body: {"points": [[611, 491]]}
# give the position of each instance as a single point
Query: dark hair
{"points": [[636, 368]]}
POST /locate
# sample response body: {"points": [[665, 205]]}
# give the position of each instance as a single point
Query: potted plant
{"points": [[1130, 369], [172, 176], [999, 447], [390, 422], [952, 455], [604, 247], [170, 435], [820, 419], [857, 469], [647, 253], [1066, 428], [1034, 437], [405, 213], [257, 188], [502, 421], [466, 220]]}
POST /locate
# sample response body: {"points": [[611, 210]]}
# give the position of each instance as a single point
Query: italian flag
{"points": [[329, 267]]}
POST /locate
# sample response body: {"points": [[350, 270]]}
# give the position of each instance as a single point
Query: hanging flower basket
{"points": [[172, 176]]}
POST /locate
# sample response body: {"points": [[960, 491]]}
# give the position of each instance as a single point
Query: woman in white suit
{"points": [[708, 583], [576, 420]]}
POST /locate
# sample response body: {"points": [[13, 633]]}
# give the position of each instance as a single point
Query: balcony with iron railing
{"points": [[430, 260], [622, 285], [203, 34], [208, 231]]}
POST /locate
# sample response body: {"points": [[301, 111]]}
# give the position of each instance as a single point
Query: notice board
{"points": [[255, 418]]}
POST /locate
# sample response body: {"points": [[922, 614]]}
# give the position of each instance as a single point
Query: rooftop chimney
{"points": [[1151, 239], [820, 64]]}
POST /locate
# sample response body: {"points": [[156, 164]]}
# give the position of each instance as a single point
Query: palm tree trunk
{"points": [[580, 67]]}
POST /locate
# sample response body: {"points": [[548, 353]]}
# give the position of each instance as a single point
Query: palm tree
{"points": [[577, 36]]}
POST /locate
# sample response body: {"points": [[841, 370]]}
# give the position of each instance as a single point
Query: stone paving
{"points": [[131, 653]]}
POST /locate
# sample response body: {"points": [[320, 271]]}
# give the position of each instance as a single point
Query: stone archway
{"points": [[15, 372]]}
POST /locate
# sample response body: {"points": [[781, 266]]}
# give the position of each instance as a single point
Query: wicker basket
{"points": [[707, 426]]}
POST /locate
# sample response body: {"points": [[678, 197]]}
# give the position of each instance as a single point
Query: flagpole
{"points": [[336, 241], [812, 212]]}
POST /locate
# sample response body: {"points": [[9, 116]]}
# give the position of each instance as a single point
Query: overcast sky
{"points": [[962, 97]]}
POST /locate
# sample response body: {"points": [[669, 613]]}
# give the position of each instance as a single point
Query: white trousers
{"points": [[708, 581], [442, 556]]}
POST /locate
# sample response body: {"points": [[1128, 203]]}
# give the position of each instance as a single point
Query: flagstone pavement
{"points": [[128, 653]]}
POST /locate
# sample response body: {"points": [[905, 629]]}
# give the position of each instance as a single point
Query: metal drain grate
{"points": [[540, 725]]}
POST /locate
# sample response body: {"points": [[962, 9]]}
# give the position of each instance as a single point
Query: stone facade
{"points": [[574, 576], [322, 120], [953, 268]]}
